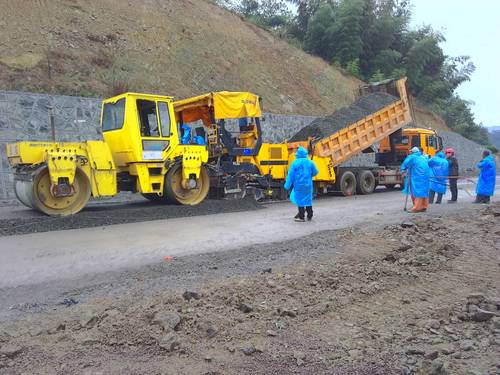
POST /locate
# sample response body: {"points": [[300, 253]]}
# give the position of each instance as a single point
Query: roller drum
{"points": [[24, 192]]}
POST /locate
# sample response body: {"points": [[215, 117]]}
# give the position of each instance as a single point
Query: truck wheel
{"points": [[347, 183], [176, 193], [365, 182]]}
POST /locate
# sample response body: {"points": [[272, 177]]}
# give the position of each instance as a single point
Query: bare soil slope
{"points": [[180, 48]]}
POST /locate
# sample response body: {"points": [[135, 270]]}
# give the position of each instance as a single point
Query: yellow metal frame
{"points": [[62, 158]]}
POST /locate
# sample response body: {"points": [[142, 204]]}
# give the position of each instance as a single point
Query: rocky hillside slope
{"points": [[181, 48]]}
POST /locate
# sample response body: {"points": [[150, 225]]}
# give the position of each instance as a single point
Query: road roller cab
{"points": [[144, 139]]}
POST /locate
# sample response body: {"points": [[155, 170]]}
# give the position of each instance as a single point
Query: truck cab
{"points": [[395, 148]]}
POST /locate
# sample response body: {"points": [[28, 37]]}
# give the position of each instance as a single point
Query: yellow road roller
{"points": [[141, 152]]}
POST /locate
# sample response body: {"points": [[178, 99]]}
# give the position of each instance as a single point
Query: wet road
{"points": [[40, 257]]}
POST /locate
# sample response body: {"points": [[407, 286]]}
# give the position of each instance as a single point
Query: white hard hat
{"points": [[414, 150]]}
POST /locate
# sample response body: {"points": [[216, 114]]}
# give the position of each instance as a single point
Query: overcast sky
{"points": [[471, 28]]}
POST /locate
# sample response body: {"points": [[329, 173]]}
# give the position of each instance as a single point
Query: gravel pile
{"points": [[364, 106]]}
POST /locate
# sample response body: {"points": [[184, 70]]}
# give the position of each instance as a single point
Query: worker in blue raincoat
{"points": [[186, 135], [417, 171], [487, 178], [439, 177], [300, 180]]}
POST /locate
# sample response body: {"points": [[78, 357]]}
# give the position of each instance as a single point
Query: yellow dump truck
{"points": [[141, 152]]}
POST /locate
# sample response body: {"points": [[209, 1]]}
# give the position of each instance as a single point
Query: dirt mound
{"points": [[362, 107]]}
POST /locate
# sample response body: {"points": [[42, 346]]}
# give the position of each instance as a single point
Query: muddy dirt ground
{"points": [[419, 297]]}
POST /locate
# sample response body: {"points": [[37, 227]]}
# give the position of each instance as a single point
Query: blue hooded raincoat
{"points": [[186, 134], [419, 173], [487, 176], [299, 179], [439, 169]]}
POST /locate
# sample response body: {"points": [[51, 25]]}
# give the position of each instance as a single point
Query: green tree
{"points": [[305, 11], [377, 76], [248, 8], [423, 61], [353, 68], [348, 45], [387, 61], [372, 40], [320, 32]]}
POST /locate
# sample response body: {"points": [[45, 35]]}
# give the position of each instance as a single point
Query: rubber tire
{"points": [[347, 184], [169, 192], [365, 182]]}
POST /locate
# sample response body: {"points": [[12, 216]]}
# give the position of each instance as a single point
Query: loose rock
{"points": [[447, 350], [245, 308], [167, 320], [169, 342], [432, 323], [475, 298], [189, 295], [437, 367], [89, 320], [10, 350], [404, 247], [481, 315], [212, 331], [431, 355], [415, 351], [467, 345], [407, 224], [248, 349], [299, 357], [392, 257]]}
